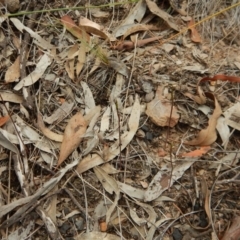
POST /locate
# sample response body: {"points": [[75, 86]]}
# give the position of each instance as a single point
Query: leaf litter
{"points": [[106, 141]]}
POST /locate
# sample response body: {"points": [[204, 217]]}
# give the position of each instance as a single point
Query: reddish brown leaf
{"points": [[233, 232], [72, 137], [194, 33], [76, 31], [197, 153], [3, 120]]}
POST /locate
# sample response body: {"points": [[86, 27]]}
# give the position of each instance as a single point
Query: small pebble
{"points": [[79, 224], [149, 97], [65, 227]]}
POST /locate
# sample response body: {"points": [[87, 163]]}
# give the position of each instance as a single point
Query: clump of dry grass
{"points": [[224, 26]]}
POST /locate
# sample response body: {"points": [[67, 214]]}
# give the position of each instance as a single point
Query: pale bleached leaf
{"points": [[22, 232], [117, 88], [93, 160], [4, 142], [136, 13], [97, 236], [34, 76], [109, 169], [153, 7], [152, 215], [10, 97], [139, 221], [131, 191], [50, 226], [105, 121], [223, 130], [38, 39], [81, 59], [155, 227], [110, 185], [62, 112], [232, 116], [88, 97], [119, 66], [161, 181]]}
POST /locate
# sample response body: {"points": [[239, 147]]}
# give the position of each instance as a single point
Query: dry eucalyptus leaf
{"points": [[35, 75], [38, 39], [110, 185], [11, 97], [118, 66], [97, 236], [209, 135], [94, 160], [72, 137], [160, 13], [92, 27], [60, 113], [47, 132], [136, 13], [13, 72]]}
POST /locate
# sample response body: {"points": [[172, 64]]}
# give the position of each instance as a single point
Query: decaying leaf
{"points": [[76, 31], [74, 133], [13, 72], [194, 33], [97, 236], [118, 66], [47, 132], [161, 181], [81, 59], [110, 185], [209, 135], [129, 45], [232, 116], [161, 111], [136, 13], [60, 113], [152, 215], [233, 232], [92, 27], [94, 160], [198, 152], [131, 191], [139, 27], [10, 97], [206, 196], [179, 6], [34, 76], [160, 13], [38, 39], [72, 136]]}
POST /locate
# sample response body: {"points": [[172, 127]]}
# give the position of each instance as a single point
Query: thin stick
{"points": [[119, 133]]}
